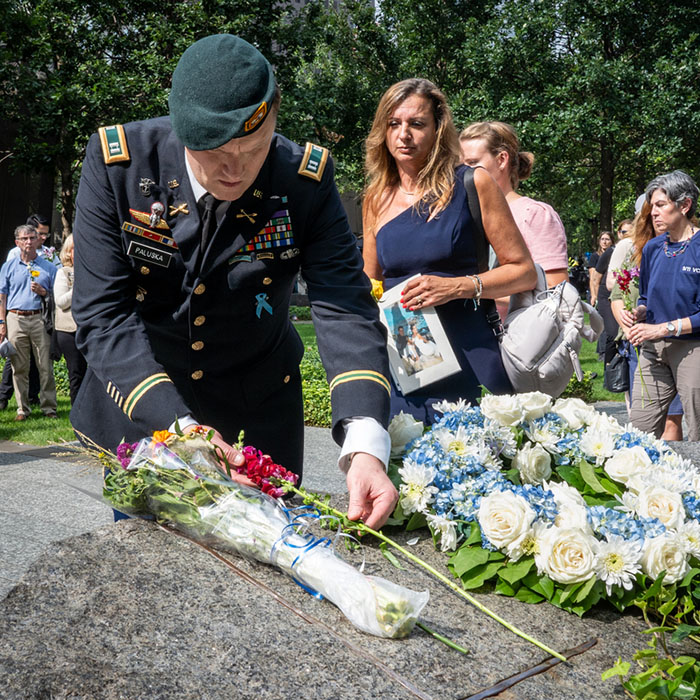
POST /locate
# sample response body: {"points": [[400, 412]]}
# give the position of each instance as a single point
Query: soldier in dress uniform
{"points": [[189, 234]]}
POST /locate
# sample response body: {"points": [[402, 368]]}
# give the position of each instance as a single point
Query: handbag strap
{"points": [[482, 249]]}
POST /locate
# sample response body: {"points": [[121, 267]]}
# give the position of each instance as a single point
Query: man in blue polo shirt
{"points": [[24, 280]]}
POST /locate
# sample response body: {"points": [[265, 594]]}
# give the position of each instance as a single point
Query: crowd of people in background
{"points": [[36, 325]]}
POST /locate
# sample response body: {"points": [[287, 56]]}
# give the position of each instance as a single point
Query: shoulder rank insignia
{"points": [[314, 161], [148, 218], [113, 140]]}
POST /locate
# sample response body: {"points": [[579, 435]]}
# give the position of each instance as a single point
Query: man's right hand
{"points": [[233, 456]]}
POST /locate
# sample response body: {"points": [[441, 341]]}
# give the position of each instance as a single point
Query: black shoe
{"points": [[3, 404], [594, 375]]}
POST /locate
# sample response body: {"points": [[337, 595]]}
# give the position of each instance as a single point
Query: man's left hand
{"points": [[372, 495]]}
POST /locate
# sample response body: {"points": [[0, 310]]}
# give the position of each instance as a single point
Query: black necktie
{"points": [[208, 219]]}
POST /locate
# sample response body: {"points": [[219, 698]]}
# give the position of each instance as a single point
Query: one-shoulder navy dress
{"points": [[410, 244]]}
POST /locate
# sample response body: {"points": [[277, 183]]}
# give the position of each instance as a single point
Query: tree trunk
{"points": [[67, 199], [607, 178]]}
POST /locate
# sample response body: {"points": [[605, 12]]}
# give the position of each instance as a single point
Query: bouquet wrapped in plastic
{"points": [[177, 480]]}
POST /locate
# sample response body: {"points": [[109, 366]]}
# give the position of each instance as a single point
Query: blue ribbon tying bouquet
{"points": [[549, 500]]}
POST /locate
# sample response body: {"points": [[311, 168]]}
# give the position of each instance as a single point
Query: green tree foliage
{"points": [[600, 90]]}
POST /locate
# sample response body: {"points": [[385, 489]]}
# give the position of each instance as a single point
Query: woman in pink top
{"points": [[495, 146]]}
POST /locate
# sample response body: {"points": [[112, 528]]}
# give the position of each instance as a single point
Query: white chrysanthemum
{"points": [[658, 502], [505, 410], [533, 463], [575, 412], [500, 438], [598, 444], [402, 429], [627, 462], [416, 492], [447, 406], [566, 555], [461, 442], [617, 562], [534, 404], [689, 532], [665, 553], [446, 529], [674, 460], [545, 435]]}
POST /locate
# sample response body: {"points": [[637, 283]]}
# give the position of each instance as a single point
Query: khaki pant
{"points": [[667, 366], [27, 334]]}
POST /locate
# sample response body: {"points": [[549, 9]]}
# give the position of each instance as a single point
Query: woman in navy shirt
{"points": [[667, 317]]}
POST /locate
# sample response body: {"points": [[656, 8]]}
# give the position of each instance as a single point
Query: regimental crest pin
{"points": [[145, 185], [173, 184]]}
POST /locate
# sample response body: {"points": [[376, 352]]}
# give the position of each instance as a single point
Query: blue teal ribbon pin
{"points": [[262, 304]]}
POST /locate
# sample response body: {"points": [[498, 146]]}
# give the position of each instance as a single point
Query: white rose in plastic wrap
{"points": [[504, 518], [571, 506], [666, 553], [627, 462], [658, 502], [402, 429], [534, 404], [567, 555], [534, 464], [575, 412], [505, 410]]}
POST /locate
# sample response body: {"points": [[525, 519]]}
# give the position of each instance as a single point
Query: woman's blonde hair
{"points": [[500, 137], [436, 178], [642, 232], [66, 248]]}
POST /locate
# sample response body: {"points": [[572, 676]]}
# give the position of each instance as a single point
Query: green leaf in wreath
{"points": [[682, 631], [583, 592], [504, 588], [516, 571], [467, 558], [689, 577], [544, 586], [655, 587], [481, 574], [572, 476], [589, 476], [526, 595], [416, 522], [474, 534]]}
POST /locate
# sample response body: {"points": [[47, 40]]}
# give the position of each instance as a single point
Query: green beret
{"points": [[222, 89]]}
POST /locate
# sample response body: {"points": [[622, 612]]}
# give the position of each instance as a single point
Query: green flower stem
{"points": [[442, 639], [416, 560]]}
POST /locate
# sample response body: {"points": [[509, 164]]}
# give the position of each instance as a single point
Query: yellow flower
{"points": [[377, 289], [35, 273], [161, 436]]}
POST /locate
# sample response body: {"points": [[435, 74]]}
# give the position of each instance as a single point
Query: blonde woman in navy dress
{"points": [[416, 220]]}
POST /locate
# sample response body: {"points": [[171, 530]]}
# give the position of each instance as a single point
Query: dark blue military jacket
{"points": [[168, 331]]}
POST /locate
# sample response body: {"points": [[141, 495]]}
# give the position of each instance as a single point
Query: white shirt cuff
{"points": [[364, 434], [184, 423]]}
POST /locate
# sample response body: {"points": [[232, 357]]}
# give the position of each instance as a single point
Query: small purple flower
{"points": [[124, 452]]}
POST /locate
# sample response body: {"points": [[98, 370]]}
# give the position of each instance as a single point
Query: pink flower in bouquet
{"points": [[260, 468], [124, 452]]}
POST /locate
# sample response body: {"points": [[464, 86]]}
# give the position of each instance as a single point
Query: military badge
{"points": [[314, 161], [135, 230], [145, 218], [178, 208], [172, 184], [145, 185], [276, 234], [113, 142]]}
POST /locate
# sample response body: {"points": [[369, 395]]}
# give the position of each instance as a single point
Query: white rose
{"points": [[575, 412], [571, 506], [666, 553], [604, 423], [505, 410], [658, 502], [534, 464], [626, 462], [534, 404], [567, 555], [402, 429], [505, 518]]}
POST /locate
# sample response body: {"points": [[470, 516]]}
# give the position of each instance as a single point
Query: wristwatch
{"points": [[671, 327]]}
